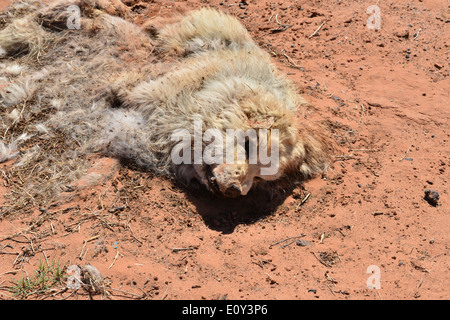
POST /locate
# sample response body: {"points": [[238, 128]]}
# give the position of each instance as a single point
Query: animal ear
{"points": [[259, 122], [157, 22]]}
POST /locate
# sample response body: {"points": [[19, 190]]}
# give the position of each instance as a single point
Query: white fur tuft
{"points": [[15, 93], [10, 151]]}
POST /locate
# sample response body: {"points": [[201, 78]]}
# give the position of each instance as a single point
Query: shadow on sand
{"points": [[224, 214]]}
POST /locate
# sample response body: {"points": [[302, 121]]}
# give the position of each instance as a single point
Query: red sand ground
{"points": [[386, 93]]}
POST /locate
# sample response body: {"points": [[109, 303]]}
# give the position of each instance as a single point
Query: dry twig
{"points": [[318, 29], [84, 245], [287, 239]]}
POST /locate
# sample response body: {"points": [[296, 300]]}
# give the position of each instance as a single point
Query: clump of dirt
{"points": [[384, 93]]}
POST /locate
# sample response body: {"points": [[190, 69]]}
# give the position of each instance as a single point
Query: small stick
{"points": [[132, 233], [330, 278], [368, 150], [276, 19], [84, 254], [340, 231], [5, 252], [291, 61], [135, 238], [9, 272], [100, 196], [350, 156], [184, 249], [285, 26], [417, 34], [318, 29], [322, 236], [45, 256], [165, 293], [329, 287], [54, 293], [270, 277], [321, 261], [73, 292], [419, 284], [304, 200], [282, 27], [287, 244], [15, 260], [406, 153], [133, 294], [363, 111], [115, 258], [84, 245], [378, 293], [290, 238]]}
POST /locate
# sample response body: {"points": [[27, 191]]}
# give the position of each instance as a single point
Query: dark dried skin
{"points": [[232, 192], [212, 183]]}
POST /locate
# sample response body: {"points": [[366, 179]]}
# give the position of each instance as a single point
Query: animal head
{"points": [[252, 161], [304, 154], [231, 180]]}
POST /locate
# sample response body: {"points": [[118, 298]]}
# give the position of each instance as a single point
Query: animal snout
{"points": [[233, 191]]}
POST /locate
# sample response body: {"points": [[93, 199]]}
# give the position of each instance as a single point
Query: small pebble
{"points": [[303, 243], [432, 197], [243, 4]]}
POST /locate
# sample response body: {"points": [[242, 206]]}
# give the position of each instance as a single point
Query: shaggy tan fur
{"points": [[220, 76], [228, 82], [22, 36]]}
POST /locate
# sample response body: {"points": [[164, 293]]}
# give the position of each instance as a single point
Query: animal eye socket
{"points": [[208, 170], [247, 148]]}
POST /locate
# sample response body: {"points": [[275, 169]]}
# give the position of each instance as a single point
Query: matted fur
{"points": [[220, 76]]}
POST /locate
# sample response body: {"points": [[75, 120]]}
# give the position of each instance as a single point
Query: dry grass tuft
{"points": [[55, 86], [24, 37]]}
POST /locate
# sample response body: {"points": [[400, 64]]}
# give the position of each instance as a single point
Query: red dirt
{"points": [[386, 94], [4, 4]]}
